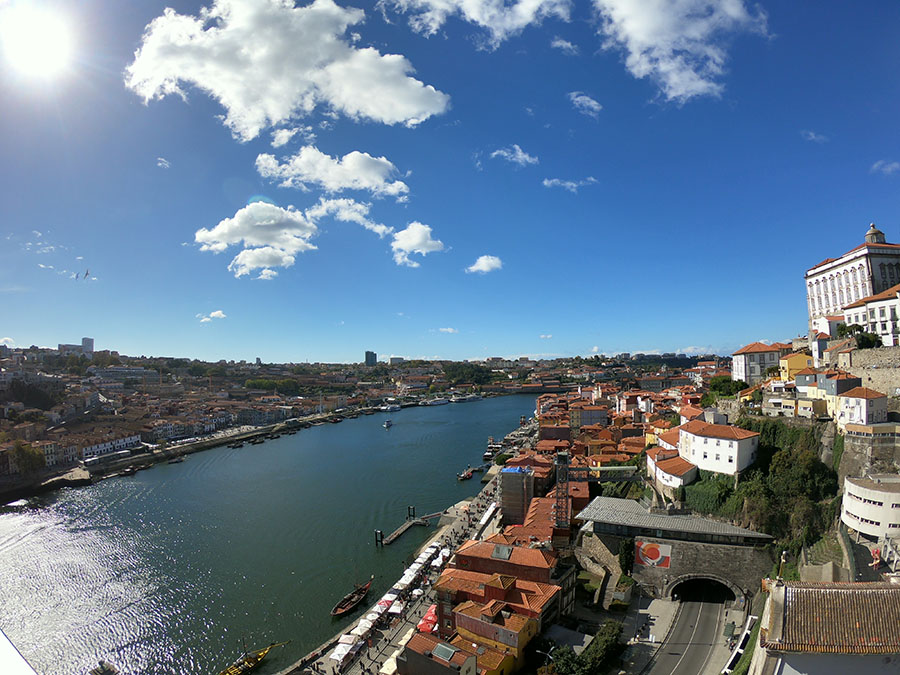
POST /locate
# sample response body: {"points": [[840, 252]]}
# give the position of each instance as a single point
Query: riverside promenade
{"points": [[459, 523]]}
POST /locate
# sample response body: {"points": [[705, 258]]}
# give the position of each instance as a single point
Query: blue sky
{"points": [[436, 178]]}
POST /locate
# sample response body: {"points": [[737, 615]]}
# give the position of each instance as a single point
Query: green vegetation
{"points": [[626, 555], [837, 451], [867, 340], [28, 459], [789, 493], [772, 371], [33, 395], [500, 459], [721, 387], [600, 656], [743, 666], [467, 372]]}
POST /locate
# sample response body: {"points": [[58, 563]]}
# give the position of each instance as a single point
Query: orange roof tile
{"points": [[757, 347], [725, 431], [675, 466], [863, 392]]}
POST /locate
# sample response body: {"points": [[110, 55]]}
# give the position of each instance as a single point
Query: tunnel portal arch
{"points": [[687, 579]]}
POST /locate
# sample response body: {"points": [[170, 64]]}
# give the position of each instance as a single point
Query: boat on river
{"points": [[249, 660], [352, 599], [105, 668], [387, 424], [464, 475]]}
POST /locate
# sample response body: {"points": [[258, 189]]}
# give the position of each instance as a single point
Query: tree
{"points": [[867, 340], [773, 370], [28, 459]]}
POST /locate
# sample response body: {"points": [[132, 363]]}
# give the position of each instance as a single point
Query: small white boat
{"points": [[387, 424]]}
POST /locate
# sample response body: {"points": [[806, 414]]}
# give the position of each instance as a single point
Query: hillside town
{"points": [[643, 481]]}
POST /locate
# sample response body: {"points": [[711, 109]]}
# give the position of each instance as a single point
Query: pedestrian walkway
{"points": [[646, 625]]}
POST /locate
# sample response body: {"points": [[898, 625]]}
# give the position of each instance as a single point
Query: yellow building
{"points": [[790, 364], [492, 624]]}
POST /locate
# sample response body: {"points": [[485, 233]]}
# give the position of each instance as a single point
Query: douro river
{"points": [[172, 570]]}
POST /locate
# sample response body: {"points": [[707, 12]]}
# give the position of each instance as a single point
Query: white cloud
{"points": [[206, 318], [267, 274], [268, 62], [7, 342], [485, 264], [270, 234], [35, 233], [570, 185], [694, 349], [813, 137], [585, 104], [416, 238], [354, 171], [679, 44], [448, 330], [79, 257], [283, 136], [885, 166], [595, 349], [564, 46], [515, 154], [347, 211], [162, 163], [501, 18], [45, 267], [546, 337]]}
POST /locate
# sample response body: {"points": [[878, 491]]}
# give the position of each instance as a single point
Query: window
{"points": [[705, 455], [731, 459], [717, 457]]}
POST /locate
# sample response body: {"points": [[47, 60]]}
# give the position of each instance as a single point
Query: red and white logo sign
{"points": [[651, 554]]}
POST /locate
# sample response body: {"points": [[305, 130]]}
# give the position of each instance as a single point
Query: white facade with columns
{"points": [[870, 268]]}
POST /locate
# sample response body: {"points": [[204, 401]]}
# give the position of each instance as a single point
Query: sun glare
{"points": [[36, 43]]}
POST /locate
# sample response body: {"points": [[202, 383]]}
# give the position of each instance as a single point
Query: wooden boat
{"points": [[464, 475], [249, 660], [352, 599]]}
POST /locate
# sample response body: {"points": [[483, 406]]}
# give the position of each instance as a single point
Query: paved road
{"points": [[692, 640]]}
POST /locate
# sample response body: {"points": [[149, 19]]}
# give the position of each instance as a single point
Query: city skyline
{"points": [[436, 180]]}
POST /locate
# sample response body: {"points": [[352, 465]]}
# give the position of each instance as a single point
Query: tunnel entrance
{"points": [[702, 589]]}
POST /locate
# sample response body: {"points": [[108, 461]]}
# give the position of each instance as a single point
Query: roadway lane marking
{"points": [[712, 645], [690, 639]]}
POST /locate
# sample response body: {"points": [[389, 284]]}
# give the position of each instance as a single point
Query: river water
{"points": [[170, 570]]}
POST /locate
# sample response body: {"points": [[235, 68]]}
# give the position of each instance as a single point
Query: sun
{"points": [[35, 42]]}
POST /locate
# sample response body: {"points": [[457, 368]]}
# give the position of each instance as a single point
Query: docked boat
{"points": [[436, 401], [130, 471], [352, 599], [176, 460], [257, 441], [249, 660], [464, 475], [458, 398], [488, 455], [387, 424], [389, 407], [236, 444]]}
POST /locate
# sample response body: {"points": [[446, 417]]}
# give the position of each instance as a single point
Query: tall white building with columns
{"points": [[871, 267]]}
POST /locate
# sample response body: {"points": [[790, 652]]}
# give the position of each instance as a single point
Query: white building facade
{"points": [[749, 363], [879, 314], [717, 447], [861, 405], [871, 505], [870, 268]]}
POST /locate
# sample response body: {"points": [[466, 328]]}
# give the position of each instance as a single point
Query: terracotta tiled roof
{"points": [[488, 659], [525, 557], [670, 437], [823, 336], [863, 392], [691, 412], [425, 642], [676, 466], [807, 371], [757, 347], [884, 295], [836, 618], [725, 431]]}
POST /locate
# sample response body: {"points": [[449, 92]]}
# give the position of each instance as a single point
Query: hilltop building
{"points": [[863, 271], [371, 359]]}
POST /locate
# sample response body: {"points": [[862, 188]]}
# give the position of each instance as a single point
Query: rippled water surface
{"points": [[168, 571]]}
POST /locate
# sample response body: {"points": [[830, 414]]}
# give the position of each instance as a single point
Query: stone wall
{"points": [[863, 454], [878, 368], [739, 567]]}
